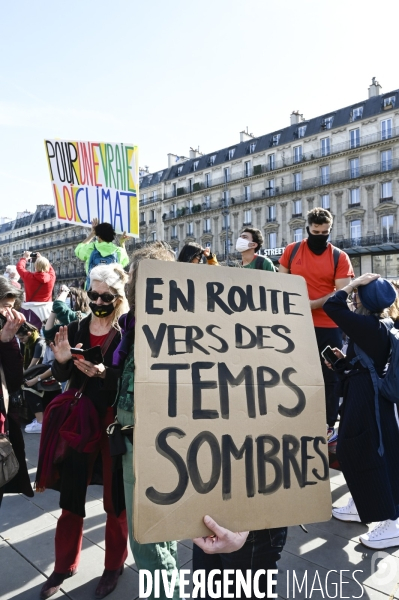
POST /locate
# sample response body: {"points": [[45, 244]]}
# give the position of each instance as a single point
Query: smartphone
{"points": [[93, 355], [33, 254], [329, 355]]}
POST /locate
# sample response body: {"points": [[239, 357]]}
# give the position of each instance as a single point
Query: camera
{"points": [[33, 254]]}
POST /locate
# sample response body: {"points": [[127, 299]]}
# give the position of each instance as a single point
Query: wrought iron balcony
{"points": [[368, 241]]}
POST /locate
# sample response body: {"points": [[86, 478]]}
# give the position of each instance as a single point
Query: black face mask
{"points": [[101, 310], [317, 243]]}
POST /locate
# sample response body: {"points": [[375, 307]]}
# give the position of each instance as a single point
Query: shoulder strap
{"points": [[336, 256], [259, 262], [4, 389], [35, 292], [294, 251], [108, 341]]}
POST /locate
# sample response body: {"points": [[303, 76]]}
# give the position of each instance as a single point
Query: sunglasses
{"points": [[107, 297]]}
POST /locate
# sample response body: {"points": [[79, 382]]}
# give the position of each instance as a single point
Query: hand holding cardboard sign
{"points": [[224, 540]]}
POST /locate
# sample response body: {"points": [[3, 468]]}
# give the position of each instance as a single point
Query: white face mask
{"points": [[242, 245]]}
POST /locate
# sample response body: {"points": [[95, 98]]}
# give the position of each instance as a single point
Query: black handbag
{"points": [[46, 385], [9, 465]]}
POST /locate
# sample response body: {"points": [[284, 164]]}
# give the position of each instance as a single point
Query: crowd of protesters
{"points": [[41, 348]]}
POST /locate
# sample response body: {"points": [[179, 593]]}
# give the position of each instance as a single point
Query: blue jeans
{"points": [[262, 550]]}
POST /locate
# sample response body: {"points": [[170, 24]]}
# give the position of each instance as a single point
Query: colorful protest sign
{"points": [[95, 180], [229, 403]]}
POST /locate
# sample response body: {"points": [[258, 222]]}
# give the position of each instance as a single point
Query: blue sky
{"points": [[170, 75]]}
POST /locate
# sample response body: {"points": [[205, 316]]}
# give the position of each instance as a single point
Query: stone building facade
{"points": [[40, 232], [346, 160]]}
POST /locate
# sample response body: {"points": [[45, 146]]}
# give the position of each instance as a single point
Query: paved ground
{"points": [[27, 552]]}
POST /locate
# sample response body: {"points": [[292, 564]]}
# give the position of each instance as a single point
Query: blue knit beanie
{"points": [[377, 295]]}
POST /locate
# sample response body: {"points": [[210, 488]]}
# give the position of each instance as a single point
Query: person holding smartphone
{"points": [[100, 328], [368, 438]]}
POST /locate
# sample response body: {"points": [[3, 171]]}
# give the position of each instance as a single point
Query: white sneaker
{"points": [[30, 425], [384, 535], [347, 513], [33, 428]]}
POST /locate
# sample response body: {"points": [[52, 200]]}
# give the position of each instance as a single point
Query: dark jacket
{"points": [[102, 392], [373, 480], [11, 360]]}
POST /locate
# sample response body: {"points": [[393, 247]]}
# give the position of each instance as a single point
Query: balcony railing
{"points": [[369, 240], [388, 199], [307, 184], [292, 160]]}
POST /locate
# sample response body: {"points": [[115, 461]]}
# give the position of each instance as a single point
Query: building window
{"points": [[226, 197], [160, 176], [252, 147], [327, 123], [275, 139], [325, 146], [174, 189], [144, 198], [386, 190], [270, 190], [272, 240], [207, 226], [207, 201], [152, 216], [190, 228], [389, 102], [195, 165], [247, 192], [190, 186], [297, 208], [297, 154], [212, 159], [247, 217], [298, 235], [354, 137], [271, 213], [272, 161], [173, 209], [386, 160], [297, 181], [387, 265], [357, 113], [386, 129], [189, 207], [174, 231], [354, 169], [231, 153], [355, 229], [154, 236], [325, 174], [207, 180], [354, 196], [226, 172], [247, 168], [325, 201], [301, 131], [179, 169], [387, 227], [142, 218]]}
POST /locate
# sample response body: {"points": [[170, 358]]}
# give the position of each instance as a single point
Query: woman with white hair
{"points": [[39, 285], [100, 328], [11, 274]]}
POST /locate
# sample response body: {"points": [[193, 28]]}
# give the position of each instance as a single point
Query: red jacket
{"points": [[32, 281]]}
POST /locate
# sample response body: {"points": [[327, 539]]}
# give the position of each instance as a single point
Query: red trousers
{"points": [[69, 532]]}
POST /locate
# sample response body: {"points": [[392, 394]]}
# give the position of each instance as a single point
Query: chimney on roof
{"points": [[296, 117], [374, 89], [245, 136], [194, 153]]}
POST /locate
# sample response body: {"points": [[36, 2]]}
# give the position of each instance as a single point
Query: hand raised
{"points": [[61, 347]]}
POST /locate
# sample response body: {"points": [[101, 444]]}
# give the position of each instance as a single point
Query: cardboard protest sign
{"points": [[229, 402], [95, 180]]}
